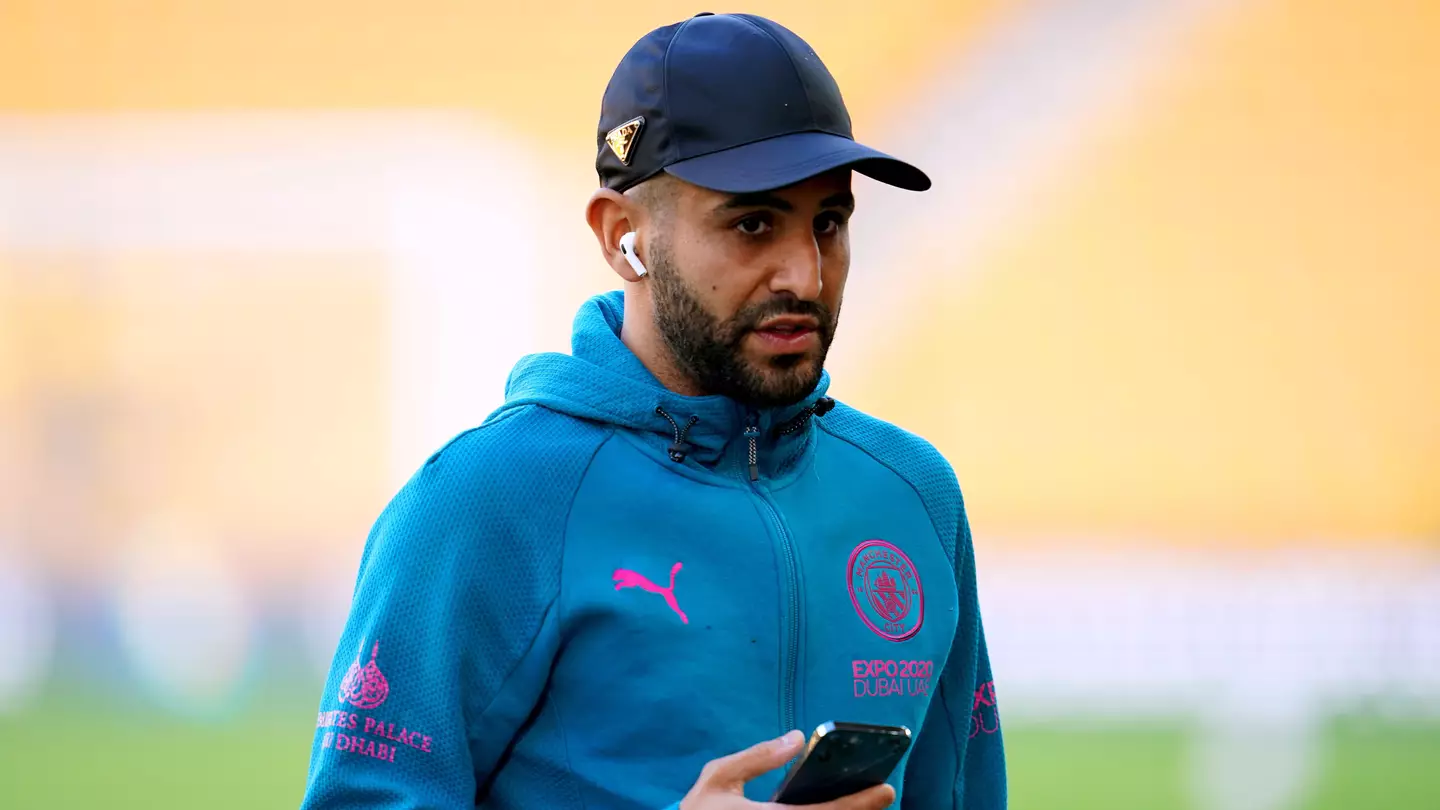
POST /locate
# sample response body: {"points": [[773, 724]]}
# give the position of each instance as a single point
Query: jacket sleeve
{"points": [[444, 653], [958, 759]]}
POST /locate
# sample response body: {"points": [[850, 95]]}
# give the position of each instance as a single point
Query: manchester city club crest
{"points": [[886, 590]]}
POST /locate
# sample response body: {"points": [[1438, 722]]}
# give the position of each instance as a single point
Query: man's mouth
{"points": [[788, 323], [789, 333]]}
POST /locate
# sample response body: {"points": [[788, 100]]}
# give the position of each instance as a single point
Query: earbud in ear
{"points": [[627, 249]]}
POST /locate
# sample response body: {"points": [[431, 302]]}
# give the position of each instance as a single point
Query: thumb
{"points": [[733, 771]]}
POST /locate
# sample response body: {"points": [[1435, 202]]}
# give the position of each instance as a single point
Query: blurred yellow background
{"points": [[1172, 310]]}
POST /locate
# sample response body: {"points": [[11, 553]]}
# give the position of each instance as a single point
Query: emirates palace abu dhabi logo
{"points": [[365, 687]]}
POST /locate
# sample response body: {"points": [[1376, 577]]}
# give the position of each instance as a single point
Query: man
{"points": [[671, 545]]}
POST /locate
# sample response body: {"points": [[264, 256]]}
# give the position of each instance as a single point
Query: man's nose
{"points": [[797, 269]]}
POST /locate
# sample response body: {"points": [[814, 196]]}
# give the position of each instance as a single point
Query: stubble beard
{"points": [[710, 352]]}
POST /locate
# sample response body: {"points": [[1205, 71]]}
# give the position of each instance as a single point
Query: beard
{"points": [[710, 351]]}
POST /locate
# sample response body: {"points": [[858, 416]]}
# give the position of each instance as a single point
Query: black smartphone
{"points": [[843, 758]]}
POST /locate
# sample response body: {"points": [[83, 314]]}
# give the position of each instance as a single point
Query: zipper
{"points": [[787, 547]]}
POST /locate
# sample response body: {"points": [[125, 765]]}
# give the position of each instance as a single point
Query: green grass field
{"points": [[76, 752]]}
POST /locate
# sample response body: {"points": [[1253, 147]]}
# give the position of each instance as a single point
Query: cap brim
{"points": [[788, 159]]}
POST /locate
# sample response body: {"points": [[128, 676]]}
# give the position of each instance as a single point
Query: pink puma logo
{"points": [[630, 579]]}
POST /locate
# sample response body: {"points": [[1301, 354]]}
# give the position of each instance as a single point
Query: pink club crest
{"points": [[885, 590], [365, 687]]}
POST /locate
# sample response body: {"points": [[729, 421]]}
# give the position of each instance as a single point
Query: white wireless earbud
{"points": [[627, 249]]}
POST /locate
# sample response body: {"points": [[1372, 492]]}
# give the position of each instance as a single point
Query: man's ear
{"points": [[611, 215]]}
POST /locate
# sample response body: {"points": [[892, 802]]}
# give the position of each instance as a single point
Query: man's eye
{"points": [[826, 224], [756, 225]]}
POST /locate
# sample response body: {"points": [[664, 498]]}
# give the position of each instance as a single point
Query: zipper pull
{"points": [[752, 432]]}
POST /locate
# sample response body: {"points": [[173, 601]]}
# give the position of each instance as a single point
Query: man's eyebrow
{"points": [[844, 200], [764, 199], [756, 199]]}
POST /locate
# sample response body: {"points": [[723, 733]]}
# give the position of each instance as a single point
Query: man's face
{"points": [[747, 288]]}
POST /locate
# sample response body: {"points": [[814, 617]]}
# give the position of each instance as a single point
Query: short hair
{"points": [[657, 194]]}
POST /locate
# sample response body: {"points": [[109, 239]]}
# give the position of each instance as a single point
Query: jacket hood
{"points": [[603, 381]]}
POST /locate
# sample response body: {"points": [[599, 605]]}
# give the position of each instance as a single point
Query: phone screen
{"points": [[841, 759]]}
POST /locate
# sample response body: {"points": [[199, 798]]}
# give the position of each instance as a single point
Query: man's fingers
{"points": [[735, 770], [875, 798]]}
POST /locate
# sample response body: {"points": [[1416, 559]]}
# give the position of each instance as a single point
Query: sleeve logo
{"points": [[985, 712], [365, 687]]}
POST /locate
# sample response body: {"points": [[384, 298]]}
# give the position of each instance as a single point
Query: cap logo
{"points": [[622, 138]]}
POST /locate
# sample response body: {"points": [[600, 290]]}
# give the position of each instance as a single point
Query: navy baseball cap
{"points": [[734, 103]]}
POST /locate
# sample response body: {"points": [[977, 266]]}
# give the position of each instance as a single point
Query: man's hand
{"points": [[721, 785]]}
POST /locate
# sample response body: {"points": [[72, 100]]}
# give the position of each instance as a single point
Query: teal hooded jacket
{"points": [[577, 604]]}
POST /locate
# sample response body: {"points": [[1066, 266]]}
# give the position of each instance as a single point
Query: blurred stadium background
{"points": [[1172, 310]]}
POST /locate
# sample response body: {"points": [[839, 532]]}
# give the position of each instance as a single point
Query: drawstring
{"points": [[681, 446], [821, 407], [752, 432]]}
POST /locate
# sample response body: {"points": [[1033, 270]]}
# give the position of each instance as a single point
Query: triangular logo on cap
{"points": [[622, 138]]}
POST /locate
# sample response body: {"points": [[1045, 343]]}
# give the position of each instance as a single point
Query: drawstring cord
{"points": [[821, 407], [681, 446], [752, 432]]}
